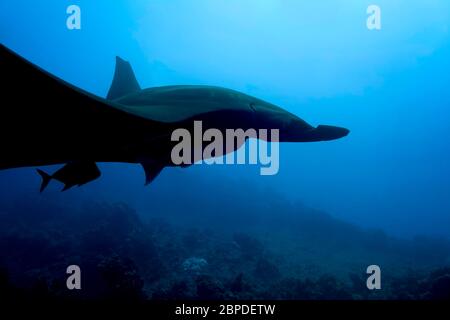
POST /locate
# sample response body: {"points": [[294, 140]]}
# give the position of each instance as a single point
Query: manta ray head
{"points": [[291, 127]]}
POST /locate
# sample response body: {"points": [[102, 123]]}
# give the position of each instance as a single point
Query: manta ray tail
{"points": [[45, 179], [124, 81]]}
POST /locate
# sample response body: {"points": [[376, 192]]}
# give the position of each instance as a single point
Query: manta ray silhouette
{"points": [[47, 121]]}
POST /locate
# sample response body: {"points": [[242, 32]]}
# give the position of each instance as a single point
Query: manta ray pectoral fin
{"points": [[152, 169]]}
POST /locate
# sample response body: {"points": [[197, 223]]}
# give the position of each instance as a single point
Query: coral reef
{"points": [[129, 257]]}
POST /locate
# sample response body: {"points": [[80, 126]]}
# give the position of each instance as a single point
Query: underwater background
{"points": [[379, 196]]}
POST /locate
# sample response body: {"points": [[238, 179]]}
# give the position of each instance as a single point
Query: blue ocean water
{"points": [[378, 196], [316, 59]]}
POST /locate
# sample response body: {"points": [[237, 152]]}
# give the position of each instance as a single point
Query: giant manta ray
{"points": [[46, 121]]}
